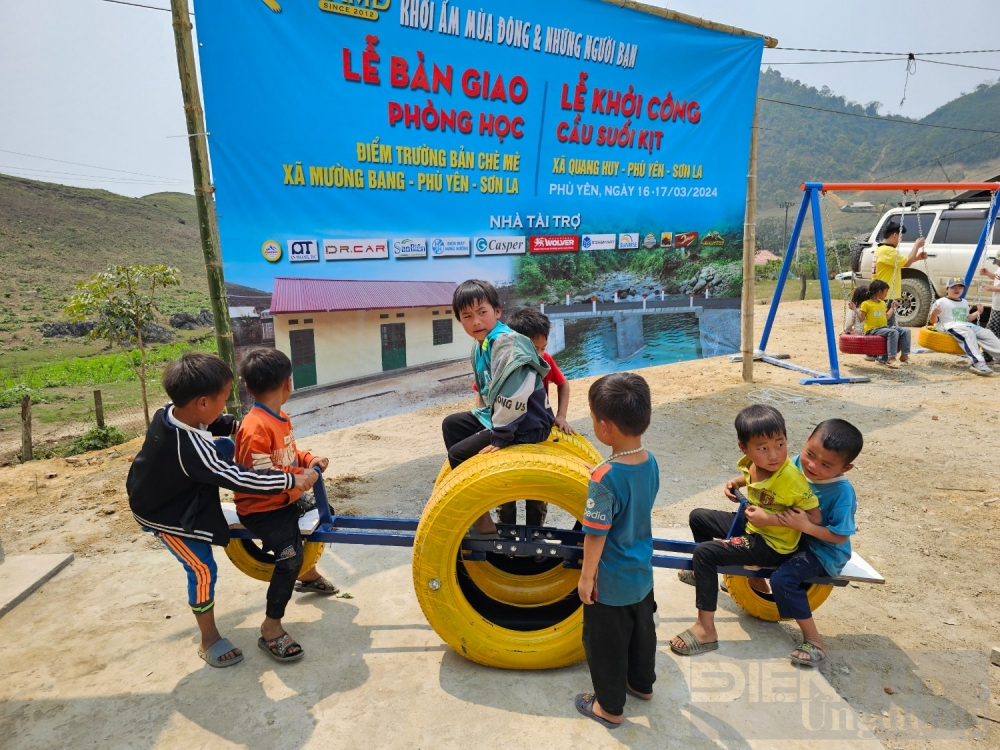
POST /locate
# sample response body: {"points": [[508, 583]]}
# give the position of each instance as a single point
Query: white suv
{"points": [[952, 228]]}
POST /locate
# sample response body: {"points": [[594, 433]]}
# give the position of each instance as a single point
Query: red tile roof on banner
{"points": [[330, 295]]}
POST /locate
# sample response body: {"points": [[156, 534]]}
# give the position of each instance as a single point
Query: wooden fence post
{"points": [[99, 409], [26, 454]]}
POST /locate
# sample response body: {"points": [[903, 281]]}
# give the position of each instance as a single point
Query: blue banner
{"points": [[405, 140]]}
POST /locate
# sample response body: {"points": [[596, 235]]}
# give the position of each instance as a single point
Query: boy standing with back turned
{"points": [[512, 406], [616, 583], [173, 484]]}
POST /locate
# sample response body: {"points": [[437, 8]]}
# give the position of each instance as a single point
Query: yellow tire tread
{"points": [[237, 553], [938, 341], [754, 604]]}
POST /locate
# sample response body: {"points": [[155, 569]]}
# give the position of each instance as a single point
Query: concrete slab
{"points": [[22, 575], [374, 675]]}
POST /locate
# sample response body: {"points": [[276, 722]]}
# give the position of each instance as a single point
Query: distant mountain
{"points": [[798, 145]]}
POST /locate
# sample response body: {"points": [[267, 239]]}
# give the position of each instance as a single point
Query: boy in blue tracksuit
{"points": [[512, 403], [826, 547]]}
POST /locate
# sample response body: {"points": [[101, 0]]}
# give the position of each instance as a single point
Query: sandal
{"points": [[279, 647], [816, 654], [692, 645], [631, 691], [584, 703], [213, 656], [686, 576], [319, 585]]}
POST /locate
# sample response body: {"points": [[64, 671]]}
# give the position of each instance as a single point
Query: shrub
{"points": [[95, 439]]}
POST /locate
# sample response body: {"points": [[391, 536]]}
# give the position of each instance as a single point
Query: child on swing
{"points": [[878, 319]]}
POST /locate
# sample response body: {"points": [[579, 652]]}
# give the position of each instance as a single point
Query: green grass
{"points": [[765, 290]]}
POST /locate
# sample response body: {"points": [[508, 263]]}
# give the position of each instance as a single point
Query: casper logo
{"points": [[598, 242], [368, 9], [355, 249], [302, 250], [628, 241], [409, 248], [500, 245]]}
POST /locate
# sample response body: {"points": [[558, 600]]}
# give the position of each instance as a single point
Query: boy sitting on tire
{"points": [[512, 404], [952, 314], [825, 549], [773, 484], [173, 484], [265, 441]]}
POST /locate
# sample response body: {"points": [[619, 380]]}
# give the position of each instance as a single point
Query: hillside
{"points": [[52, 236], [797, 144]]}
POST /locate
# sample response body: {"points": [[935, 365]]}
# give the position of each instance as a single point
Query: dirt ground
{"points": [[927, 482]]}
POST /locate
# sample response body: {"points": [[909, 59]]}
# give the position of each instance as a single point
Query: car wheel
{"points": [[858, 245], [915, 300]]}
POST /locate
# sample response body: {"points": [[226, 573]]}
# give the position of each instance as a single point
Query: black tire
{"points": [[916, 299], [858, 245]]}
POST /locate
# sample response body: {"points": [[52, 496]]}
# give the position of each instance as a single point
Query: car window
{"points": [[960, 231], [915, 229]]}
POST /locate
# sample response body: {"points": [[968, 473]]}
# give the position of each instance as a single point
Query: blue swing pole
{"points": [[824, 285], [786, 266], [981, 245]]}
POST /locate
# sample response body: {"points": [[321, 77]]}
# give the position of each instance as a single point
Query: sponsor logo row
{"points": [[306, 250]]}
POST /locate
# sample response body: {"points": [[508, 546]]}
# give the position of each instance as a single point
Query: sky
{"points": [[95, 83]]}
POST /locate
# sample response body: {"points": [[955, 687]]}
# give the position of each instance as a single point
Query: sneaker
{"points": [[982, 369]]}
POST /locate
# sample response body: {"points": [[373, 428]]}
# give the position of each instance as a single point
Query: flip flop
{"points": [[278, 648], [816, 655], [213, 657], [319, 585], [630, 691], [692, 645], [584, 703]]}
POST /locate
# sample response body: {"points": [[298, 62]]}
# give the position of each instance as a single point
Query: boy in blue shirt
{"points": [[512, 405], [827, 455], [616, 583]]}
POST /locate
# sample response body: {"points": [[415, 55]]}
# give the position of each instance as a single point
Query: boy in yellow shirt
{"points": [[890, 261], [773, 484]]}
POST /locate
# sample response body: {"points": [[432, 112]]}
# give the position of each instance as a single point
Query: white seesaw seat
{"points": [[858, 569], [307, 524]]}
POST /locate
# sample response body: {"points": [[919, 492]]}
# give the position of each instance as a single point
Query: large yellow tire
{"points": [[574, 445], [762, 605], [541, 472], [931, 338], [538, 590], [249, 557]]}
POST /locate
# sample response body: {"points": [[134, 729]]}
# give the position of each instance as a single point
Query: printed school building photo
{"points": [[335, 330]]}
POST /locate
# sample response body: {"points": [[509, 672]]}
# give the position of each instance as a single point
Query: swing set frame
{"points": [[811, 192]]}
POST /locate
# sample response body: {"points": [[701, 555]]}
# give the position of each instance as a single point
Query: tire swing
{"points": [[931, 338], [251, 558], [509, 635], [762, 605], [522, 581]]}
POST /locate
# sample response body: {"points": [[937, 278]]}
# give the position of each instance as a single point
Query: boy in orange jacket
{"points": [[265, 441]]}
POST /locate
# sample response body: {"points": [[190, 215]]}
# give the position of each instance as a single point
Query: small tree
{"points": [[123, 301]]}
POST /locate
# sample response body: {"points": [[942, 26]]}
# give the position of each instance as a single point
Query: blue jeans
{"points": [[788, 584], [897, 339]]}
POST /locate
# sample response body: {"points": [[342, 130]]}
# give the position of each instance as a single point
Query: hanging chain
{"points": [[825, 208]]}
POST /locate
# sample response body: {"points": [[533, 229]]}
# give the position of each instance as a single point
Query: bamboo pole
{"points": [[673, 15], [99, 410], [749, 247], [203, 191]]}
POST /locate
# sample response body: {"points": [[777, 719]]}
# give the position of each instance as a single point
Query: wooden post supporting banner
{"points": [[749, 247], [99, 409], [203, 190], [26, 454]]}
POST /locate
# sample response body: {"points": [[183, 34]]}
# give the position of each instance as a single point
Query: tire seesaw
{"points": [[508, 603]]}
